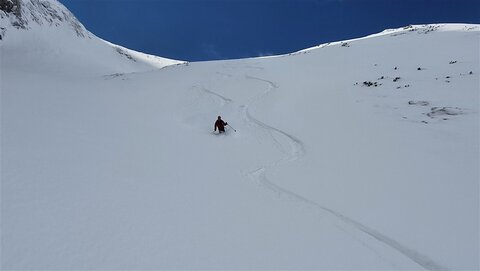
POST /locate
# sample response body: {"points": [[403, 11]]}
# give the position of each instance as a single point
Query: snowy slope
{"points": [[44, 31], [107, 167]]}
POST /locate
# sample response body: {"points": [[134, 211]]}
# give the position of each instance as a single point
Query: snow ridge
{"points": [[419, 29]]}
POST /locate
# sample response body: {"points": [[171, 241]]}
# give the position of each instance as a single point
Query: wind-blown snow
{"points": [[345, 156]]}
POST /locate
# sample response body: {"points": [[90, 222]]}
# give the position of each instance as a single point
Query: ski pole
{"points": [[232, 128]]}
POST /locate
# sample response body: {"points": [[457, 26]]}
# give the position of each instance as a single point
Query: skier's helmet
{"points": [[219, 117]]}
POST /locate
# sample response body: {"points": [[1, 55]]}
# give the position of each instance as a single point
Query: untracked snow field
{"points": [[361, 154]]}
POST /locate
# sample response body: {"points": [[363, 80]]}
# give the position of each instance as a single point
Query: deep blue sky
{"points": [[197, 30]]}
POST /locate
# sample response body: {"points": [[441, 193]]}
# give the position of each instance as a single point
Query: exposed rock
{"points": [[441, 111], [10, 6], [421, 103], [21, 14]]}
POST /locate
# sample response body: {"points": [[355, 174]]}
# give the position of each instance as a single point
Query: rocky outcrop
{"points": [[21, 14]]}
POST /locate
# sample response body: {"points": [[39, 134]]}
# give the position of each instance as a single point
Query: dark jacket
{"points": [[220, 124]]}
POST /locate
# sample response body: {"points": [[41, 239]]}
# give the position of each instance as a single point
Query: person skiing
{"points": [[220, 124]]}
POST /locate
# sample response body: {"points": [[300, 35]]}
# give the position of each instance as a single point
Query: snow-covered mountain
{"points": [[359, 154], [44, 31], [23, 14]]}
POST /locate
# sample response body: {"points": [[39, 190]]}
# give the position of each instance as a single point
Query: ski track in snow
{"points": [[224, 100], [223, 74], [296, 150]]}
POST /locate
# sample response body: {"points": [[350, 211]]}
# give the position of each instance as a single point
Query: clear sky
{"points": [[197, 30]]}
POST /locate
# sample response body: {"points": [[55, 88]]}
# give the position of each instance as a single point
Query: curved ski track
{"points": [[223, 99], [296, 150]]}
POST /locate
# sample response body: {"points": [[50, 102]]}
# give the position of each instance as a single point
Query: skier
{"points": [[220, 124]]}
